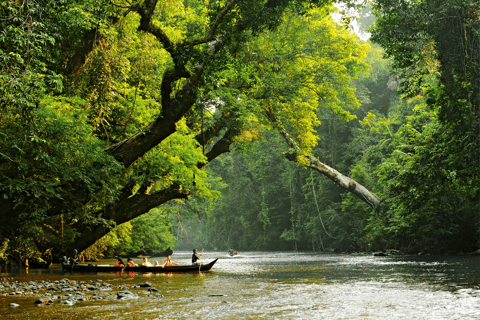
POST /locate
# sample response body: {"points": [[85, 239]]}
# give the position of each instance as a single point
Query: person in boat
{"points": [[74, 258], [195, 258], [145, 263], [120, 263], [130, 263], [168, 262]]}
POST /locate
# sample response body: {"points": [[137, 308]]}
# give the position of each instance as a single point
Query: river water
{"points": [[268, 285]]}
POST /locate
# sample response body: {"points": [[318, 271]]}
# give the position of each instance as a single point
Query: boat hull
{"points": [[107, 268]]}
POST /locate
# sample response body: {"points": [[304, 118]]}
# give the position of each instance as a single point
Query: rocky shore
{"points": [[69, 292]]}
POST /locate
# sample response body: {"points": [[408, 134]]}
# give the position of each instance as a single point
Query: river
{"points": [[267, 285]]}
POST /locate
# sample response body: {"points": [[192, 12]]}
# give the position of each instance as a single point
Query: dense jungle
{"points": [[132, 126]]}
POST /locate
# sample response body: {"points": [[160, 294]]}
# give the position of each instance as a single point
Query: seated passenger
{"points": [[145, 263], [130, 263], [195, 258], [119, 263], [168, 262]]}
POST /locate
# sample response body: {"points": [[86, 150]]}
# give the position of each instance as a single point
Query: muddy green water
{"points": [[266, 285]]}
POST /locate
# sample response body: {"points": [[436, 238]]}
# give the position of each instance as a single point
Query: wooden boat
{"points": [[109, 268]]}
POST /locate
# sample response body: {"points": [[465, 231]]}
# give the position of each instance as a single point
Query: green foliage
{"points": [[149, 232], [428, 196], [56, 148], [434, 39], [266, 203], [308, 63], [79, 82], [430, 180]]}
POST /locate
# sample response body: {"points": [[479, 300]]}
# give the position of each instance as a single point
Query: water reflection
{"points": [[271, 285]]}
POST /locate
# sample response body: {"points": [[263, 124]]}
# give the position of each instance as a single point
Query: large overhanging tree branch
{"points": [[131, 206], [345, 182], [173, 109], [126, 209], [178, 93]]}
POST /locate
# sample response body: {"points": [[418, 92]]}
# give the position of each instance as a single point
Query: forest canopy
{"points": [[114, 113]]}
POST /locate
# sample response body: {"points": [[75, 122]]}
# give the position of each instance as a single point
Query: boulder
{"points": [[145, 285], [43, 300]]}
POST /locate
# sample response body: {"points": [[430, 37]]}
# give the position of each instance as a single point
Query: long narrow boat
{"points": [[109, 268]]}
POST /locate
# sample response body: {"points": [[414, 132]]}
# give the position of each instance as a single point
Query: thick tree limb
{"points": [[129, 207], [125, 210], [132, 148], [343, 181], [221, 146], [211, 34], [203, 137], [146, 11]]}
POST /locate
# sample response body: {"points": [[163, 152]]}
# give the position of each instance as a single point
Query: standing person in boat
{"points": [[195, 258], [168, 262]]}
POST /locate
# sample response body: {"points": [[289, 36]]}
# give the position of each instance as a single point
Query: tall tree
{"points": [[436, 47], [110, 109]]}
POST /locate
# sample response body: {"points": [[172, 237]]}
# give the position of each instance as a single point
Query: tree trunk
{"points": [[345, 182], [128, 207]]}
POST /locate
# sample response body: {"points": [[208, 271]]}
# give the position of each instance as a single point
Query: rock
{"points": [[68, 302], [393, 251], [144, 285], [105, 288], [14, 305], [379, 254], [122, 294], [130, 296], [152, 290], [43, 300]]}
